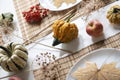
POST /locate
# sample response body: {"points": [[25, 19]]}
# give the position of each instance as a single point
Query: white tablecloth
{"points": [[82, 41]]}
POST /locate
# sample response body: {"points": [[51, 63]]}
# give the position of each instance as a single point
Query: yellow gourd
{"points": [[64, 32], [113, 14]]}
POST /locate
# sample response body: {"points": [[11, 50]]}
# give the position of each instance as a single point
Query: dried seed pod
{"points": [[6, 19]]}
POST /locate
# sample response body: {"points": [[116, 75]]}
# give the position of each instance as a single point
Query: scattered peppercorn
{"points": [[49, 68]]}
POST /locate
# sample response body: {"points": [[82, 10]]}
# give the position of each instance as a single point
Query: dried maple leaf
{"points": [[110, 72], [91, 72]]}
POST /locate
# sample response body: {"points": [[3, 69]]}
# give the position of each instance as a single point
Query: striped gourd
{"points": [[113, 14], [13, 57]]}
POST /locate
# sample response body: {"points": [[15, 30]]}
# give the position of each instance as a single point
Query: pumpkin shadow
{"points": [[25, 75], [71, 46], [22, 74], [115, 26]]}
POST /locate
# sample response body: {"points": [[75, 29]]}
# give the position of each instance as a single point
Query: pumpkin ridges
{"points": [[61, 23], [21, 54], [66, 35], [12, 66], [74, 32], [26, 52], [56, 26], [69, 31], [21, 48], [64, 31], [14, 45], [118, 19], [18, 61], [22, 58], [2, 52], [7, 46], [1, 58], [113, 14], [110, 16], [58, 32], [1, 55], [8, 69], [7, 51], [17, 65], [112, 19], [54, 29], [4, 63]]}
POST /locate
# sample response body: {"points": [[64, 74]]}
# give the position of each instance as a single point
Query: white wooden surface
{"points": [[82, 41]]}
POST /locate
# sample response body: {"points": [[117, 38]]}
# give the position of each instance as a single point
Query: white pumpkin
{"points": [[13, 57]]}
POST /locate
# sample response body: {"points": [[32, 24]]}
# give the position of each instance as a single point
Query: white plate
{"points": [[49, 5], [105, 55]]}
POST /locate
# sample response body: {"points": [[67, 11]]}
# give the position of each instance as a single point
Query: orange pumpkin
{"points": [[64, 32]]}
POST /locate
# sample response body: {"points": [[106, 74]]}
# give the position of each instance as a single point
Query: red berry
{"points": [[35, 14]]}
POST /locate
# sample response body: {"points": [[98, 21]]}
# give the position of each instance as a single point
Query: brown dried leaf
{"points": [[86, 73], [91, 72]]}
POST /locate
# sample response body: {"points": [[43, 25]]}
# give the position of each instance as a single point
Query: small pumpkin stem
{"points": [[115, 10], [3, 17], [56, 42], [69, 17], [5, 49]]}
